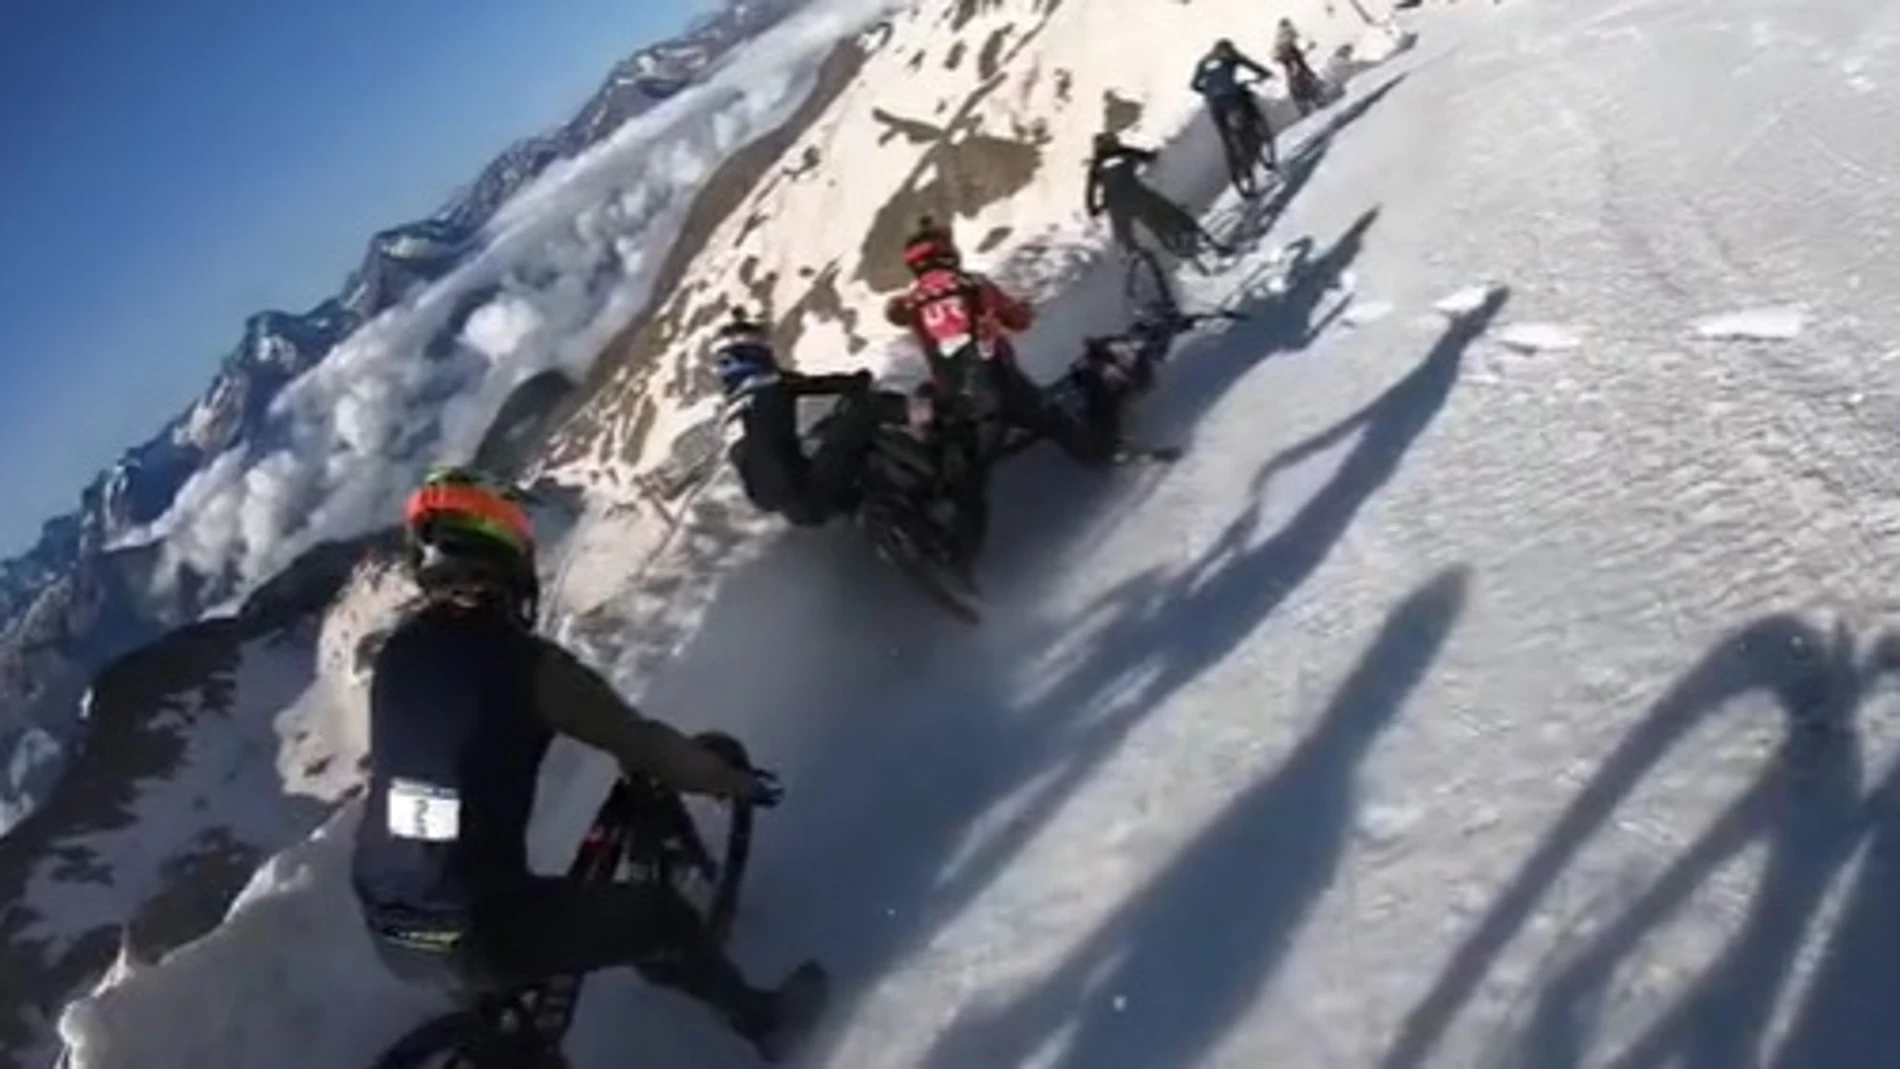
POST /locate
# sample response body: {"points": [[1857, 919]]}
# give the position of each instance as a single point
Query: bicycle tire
{"points": [[464, 1039], [1146, 286], [732, 865]]}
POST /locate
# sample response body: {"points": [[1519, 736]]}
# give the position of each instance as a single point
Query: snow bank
{"points": [[289, 980]]}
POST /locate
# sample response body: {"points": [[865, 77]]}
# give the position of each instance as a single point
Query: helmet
{"points": [[931, 246], [1224, 48], [463, 530], [742, 352], [740, 326]]}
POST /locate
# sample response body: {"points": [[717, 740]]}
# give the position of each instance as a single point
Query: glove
{"points": [[765, 790]]}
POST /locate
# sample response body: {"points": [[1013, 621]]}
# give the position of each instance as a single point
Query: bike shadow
{"points": [[922, 757], [1803, 808], [1164, 977]]}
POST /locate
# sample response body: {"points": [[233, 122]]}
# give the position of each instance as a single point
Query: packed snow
{"points": [[1405, 721], [1757, 324]]}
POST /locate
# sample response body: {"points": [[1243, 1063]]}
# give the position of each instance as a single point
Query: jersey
{"points": [[1217, 79], [455, 746], [950, 310]]}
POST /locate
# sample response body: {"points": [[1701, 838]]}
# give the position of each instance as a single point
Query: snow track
{"points": [[1444, 705]]}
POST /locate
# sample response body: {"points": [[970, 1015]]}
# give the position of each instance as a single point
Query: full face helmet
{"points": [[465, 533]]}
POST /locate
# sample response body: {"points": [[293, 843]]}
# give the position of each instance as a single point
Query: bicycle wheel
{"points": [[1233, 150], [1147, 288], [461, 1039]]}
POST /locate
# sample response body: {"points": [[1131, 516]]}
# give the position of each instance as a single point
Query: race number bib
{"points": [[424, 811]]}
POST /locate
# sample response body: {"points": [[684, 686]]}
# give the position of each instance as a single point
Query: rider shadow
{"points": [[1802, 807], [1845, 1019], [902, 814], [1166, 975], [1201, 373]]}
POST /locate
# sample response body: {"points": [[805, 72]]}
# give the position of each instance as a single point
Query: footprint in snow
{"points": [[1772, 323]]}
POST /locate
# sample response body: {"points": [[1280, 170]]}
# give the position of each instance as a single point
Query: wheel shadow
{"points": [[1803, 808]]}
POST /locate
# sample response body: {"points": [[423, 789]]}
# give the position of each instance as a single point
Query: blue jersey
{"points": [[1218, 79]]}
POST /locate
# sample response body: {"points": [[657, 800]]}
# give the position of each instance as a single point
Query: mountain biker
{"points": [[963, 322], [1113, 368], [1115, 186], [761, 415], [1304, 86], [1217, 79], [464, 701]]}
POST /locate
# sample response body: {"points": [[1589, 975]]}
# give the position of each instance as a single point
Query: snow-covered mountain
{"points": [[81, 596], [1498, 680]]}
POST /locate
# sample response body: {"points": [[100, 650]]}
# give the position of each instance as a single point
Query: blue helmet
{"points": [[742, 354]]}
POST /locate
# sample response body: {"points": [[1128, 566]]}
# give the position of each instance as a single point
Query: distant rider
{"points": [[1217, 79], [1115, 186], [1110, 371], [1304, 86], [464, 700], [761, 416]]}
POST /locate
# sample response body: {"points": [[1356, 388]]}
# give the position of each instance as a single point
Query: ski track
{"points": [[1399, 723]]}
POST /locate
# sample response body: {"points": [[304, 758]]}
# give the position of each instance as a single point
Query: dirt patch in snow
{"points": [[990, 60], [963, 172], [1119, 114]]}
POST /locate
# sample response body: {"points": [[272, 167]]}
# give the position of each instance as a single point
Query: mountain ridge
{"points": [[78, 596]]}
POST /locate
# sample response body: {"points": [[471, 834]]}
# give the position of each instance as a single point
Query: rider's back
{"points": [[456, 743], [1216, 77]]}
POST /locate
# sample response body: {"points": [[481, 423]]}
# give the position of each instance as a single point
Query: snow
{"points": [[34, 755], [243, 997], [1539, 337], [1401, 723], [1756, 324]]}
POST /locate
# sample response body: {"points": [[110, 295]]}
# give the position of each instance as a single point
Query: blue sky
{"points": [[171, 166]]}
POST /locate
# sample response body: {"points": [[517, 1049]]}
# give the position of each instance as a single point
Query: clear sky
{"points": [[168, 167]]}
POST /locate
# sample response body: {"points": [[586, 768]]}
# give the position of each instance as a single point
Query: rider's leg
{"points": [[552, 926], [1026, 405], [837, 466]]}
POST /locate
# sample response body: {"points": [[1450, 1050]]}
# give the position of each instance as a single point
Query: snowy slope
{"points": [[1496, 682]]}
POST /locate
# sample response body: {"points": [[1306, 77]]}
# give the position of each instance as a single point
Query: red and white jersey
{"points": [[939, 307]]}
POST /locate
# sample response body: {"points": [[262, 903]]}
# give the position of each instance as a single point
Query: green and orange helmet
{"points": [[463, 530]]}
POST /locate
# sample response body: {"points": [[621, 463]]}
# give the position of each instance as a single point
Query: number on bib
{"points": [[424, 811]]}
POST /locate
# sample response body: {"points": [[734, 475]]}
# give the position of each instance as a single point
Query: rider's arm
{"points": [[580, 704], [898, 312], [803, 385], [1249, 64], [1199, 84], [1013, 313], [1092, 199]]}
